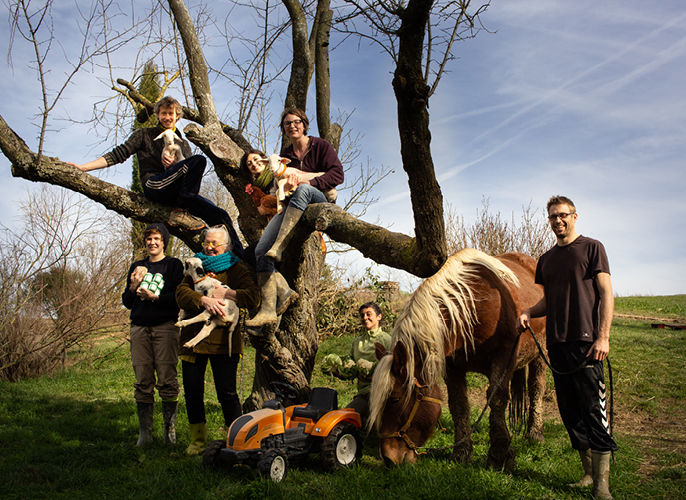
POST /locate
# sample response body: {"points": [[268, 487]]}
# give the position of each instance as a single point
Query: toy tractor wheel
{"points": [[210, 457], [342, 447], [273, 465]]}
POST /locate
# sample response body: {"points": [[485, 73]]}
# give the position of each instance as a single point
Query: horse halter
{"points": [[402, 432]]}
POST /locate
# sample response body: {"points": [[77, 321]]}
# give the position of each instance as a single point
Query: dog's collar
{"points": [[208, 275]]}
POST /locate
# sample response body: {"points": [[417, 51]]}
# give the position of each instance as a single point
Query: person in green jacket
{"points": [[217, 258], [361, 359]]}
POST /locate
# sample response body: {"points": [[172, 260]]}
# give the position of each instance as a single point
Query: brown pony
{"points": [[460, 320]]}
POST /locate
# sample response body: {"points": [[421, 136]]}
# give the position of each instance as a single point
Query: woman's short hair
{"points": [[221, 229], [297, 112], [370, 305], [244, 158], [169, 102]]}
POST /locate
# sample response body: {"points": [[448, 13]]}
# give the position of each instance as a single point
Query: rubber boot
{"points": [[267, 313], [290, 218], [198, 438], [169, 410], [284, 295], [145, 411], [587, 463], [601, 474]]}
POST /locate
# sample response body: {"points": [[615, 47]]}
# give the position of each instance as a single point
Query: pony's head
{"points": [[404, 414]]}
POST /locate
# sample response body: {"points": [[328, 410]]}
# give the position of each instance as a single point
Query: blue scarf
{"points": [[217, 263]]}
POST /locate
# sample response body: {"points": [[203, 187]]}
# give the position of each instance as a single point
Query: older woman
{"points": [[218, 259], [309, 154]]}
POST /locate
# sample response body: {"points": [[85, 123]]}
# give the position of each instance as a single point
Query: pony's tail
{"points": [[518, 403]]}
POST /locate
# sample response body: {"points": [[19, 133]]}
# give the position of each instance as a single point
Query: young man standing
{"points": [[166, 181], [150, 294], [578, 305]]}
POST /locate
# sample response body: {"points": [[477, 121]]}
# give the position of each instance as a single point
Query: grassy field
{"points": [[72, 435]]}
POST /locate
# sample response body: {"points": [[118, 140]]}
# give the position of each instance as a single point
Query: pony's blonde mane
{"points": [[423, 330]]}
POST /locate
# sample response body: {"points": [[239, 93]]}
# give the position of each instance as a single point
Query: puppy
{"points": [[281, 171], [206, 284], [170, 149]]}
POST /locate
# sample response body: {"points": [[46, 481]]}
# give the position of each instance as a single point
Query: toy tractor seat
{"points": [[322, 401]]}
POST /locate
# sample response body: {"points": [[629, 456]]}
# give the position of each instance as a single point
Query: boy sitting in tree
{"points": [[166, 181]]}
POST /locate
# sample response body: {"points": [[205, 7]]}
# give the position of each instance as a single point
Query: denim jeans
{"points": [[224, 368], [179, 185], [303, 196]]}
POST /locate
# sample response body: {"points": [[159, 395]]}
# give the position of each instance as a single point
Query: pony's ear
{"points": [[379, 350], [399, 359]]}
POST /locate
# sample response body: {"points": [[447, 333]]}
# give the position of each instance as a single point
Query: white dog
{"points": [[170, 149], [281, 171], [206, 284]]}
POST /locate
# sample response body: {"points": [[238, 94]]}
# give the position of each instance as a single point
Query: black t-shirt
{"points": [[571, 295]]}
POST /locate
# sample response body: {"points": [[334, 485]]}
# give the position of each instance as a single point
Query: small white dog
{"points": [[281, 171], [170, 148], [206, 284]]}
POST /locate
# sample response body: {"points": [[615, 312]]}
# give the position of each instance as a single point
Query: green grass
{"points": [[72, 435], [669, 307]]}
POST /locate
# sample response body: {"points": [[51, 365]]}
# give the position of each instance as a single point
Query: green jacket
{"points": [[363, 348], [236, 277]]}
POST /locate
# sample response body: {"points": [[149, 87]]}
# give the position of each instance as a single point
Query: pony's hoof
{"points": [[503, 461], [535, 435], [461, 456]]}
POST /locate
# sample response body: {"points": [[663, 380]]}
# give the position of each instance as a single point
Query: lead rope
{"points": [[483, 412], [583, 365], [502, 377]]}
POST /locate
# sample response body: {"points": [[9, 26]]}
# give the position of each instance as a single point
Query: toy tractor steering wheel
{"points": [[284, 390]]}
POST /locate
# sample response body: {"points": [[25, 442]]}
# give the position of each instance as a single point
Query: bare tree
{"points": [[494, 235], [288, 352], [60, 280]]}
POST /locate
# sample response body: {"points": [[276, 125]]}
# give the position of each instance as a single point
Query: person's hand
{"points": [[292, 181], [146, 294], [219, 292], [523, 321], [80, 167], [167, 161], [135, 281], [214, 306], [599, 350]]}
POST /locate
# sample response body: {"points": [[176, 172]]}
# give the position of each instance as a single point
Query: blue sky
{"points": [[584, 99]]}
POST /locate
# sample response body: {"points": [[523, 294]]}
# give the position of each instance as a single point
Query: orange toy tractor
{"points": [[266, 439]]}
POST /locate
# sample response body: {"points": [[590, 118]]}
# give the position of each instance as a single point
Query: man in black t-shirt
{"points": [[578, 305]]}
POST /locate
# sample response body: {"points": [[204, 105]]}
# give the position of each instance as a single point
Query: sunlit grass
{"points": [[72, 435]]}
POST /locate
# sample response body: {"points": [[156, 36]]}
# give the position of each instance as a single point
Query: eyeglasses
{"points": [[562, 216], [209, 244], [293, 122]]}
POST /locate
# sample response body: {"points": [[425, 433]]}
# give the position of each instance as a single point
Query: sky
{"points": [[584, 99]]}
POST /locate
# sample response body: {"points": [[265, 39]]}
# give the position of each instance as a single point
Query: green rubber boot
{"points": [[145, 411], [290, 218], [198, 438], [601, 474]]}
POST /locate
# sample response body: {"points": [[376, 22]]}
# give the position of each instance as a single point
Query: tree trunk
{"points": [[412, 94]]}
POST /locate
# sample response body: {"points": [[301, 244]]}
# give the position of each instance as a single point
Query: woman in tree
{"points": [[308, 154]]}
